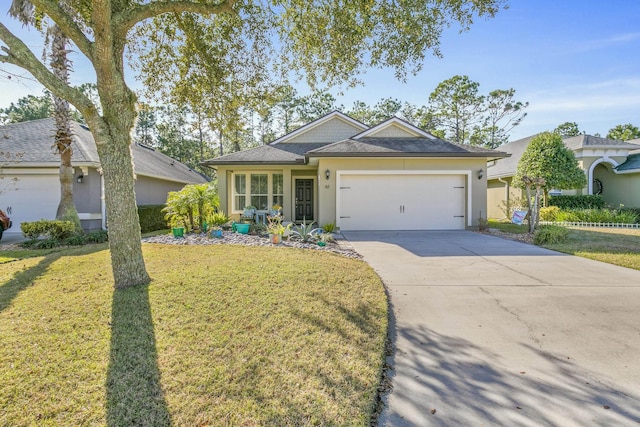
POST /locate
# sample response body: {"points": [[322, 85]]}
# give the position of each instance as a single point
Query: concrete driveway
{"points": [[492, 332]]}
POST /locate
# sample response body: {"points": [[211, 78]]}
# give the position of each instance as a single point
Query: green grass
{"points": [[509, 227], [619, 246], [224, 335]]}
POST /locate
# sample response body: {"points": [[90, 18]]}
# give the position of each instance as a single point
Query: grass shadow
{"points": [[134, 393]]}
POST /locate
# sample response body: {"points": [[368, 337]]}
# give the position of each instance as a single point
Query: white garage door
{"points": [[31, 198], [401, 202]]}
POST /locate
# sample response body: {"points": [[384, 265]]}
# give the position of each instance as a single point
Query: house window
{"points": [[277, 189], [239, 191], [260, 191]]}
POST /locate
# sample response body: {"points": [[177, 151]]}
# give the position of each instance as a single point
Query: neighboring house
{"points": [[612, 169], [393, 176], [30, 183]]}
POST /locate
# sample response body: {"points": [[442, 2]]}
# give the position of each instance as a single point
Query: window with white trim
{"points": [[263, 190]]}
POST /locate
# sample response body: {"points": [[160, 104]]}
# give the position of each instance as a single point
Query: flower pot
{"points": [[178, 231], [275, 238], [242, 228]]}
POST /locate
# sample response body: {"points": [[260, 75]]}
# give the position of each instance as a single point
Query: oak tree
{"points": [[326, 41]]}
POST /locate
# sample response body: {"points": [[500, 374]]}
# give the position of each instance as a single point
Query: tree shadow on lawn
{"points": [[134, 393], [469, 384], [25, 278]]}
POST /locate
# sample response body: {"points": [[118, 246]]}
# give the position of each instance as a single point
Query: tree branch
{"points": [[126, 19], [66, 23], [17, 53]]}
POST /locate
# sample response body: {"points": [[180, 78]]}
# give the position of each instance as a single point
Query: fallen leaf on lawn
{"points": [[606, 407], [523, 372], [433, 411]]}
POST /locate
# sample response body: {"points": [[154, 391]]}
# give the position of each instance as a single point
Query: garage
{"points": [[31, 198], [401, 201]]}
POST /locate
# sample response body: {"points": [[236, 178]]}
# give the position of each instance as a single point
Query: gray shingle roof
{"points": [[29, 144], [583, 141], [289, 153], [32, 143], [508, 166], [397, 147]]}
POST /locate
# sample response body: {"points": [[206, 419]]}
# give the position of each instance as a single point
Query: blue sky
{"points": [[572, 60]]}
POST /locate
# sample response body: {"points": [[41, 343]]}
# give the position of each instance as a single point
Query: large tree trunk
{"points": [[120, 198]]}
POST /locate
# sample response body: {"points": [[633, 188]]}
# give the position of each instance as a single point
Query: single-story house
{"points": [[30, 183], [612, 169], [392, 176]]}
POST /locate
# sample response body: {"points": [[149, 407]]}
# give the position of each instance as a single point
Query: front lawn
{"points": [[619, 246], [224, 335]]}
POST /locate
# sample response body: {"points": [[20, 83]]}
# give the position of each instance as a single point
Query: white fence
{"points": [[590, 224]]}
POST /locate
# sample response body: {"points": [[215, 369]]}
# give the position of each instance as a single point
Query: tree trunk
{"points": [[127, 262], [60, 67]]}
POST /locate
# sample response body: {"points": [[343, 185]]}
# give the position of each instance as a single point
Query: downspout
{"points": [[507, 194]]}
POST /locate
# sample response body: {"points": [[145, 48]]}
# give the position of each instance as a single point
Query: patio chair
{"points": [[248, 214]]}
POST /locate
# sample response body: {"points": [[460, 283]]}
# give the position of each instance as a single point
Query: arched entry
{"points": [[600, 174]]}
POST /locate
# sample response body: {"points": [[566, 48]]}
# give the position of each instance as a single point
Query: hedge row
{"points": [[577, 202], [152, 218]]}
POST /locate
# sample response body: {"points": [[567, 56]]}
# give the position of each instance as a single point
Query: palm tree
{"points": [[24, 11]]}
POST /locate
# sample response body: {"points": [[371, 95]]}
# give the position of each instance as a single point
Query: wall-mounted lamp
{"points": [[327, 174], [80, 178], [480, 174]]}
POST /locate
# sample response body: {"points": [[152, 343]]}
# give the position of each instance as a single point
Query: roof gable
{"points": [[333, 127], [394, 127]]}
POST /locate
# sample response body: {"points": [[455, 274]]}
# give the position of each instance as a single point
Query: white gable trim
{"points": [[319, 122], [395, 121]]}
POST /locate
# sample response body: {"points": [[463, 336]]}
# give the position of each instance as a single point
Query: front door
{"points": [[304, 199]]}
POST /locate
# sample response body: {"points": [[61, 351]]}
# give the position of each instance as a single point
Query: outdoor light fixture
{"points": [[480, 174], [327, 174], [80, 178]]}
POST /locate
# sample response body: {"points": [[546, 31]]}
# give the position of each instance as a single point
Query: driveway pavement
{"points": [[490, 332]]}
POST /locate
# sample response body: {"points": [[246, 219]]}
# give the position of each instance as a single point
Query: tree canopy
{"points": [[624, 132], [547, 158], [325, 41], [568, 129]]}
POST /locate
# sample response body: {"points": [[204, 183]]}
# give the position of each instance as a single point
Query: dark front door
{"points": [[304, 199]]}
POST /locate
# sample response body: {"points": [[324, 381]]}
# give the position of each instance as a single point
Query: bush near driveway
{"points": [[223, 334]]}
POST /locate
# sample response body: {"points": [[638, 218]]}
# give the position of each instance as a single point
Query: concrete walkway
{"points": [[490, 332]]}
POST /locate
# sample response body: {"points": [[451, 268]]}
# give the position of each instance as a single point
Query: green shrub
{"points": [[99, 236], [152, 218], [597, 216], [549, 213], [634, 211], [329, 227], [53, 229], [549, 234], [577, 202]]}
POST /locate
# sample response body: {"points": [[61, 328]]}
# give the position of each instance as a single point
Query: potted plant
{"points": [[217, 220], [276, 230]]}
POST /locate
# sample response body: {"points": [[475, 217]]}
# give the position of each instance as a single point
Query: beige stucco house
{"points": [[612, 169], [392, 176]]}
